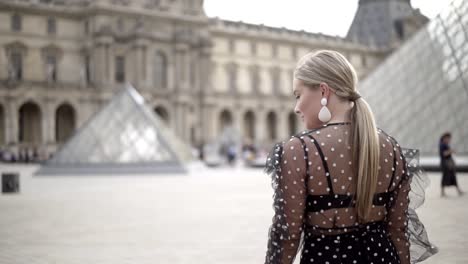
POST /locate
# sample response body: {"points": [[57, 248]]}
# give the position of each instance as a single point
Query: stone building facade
{"points": [[61, 60]]}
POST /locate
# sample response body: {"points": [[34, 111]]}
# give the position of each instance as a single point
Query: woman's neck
{"points": [[340, 118], [341, 114]]}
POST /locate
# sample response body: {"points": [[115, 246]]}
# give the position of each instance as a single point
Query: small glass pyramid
{"points": [[124, 137]]}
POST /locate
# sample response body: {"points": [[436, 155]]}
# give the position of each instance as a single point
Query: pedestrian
{"points": [[447, 164], [231, 154]]}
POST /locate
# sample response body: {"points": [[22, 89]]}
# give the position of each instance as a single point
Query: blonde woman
{"points": [[341, 187]]}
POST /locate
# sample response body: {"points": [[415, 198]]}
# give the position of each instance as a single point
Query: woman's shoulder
{"points": [[408, 153], [387, 137], [283, 150], [320, 134], [315, 132], [290, 147], [293, 142]]}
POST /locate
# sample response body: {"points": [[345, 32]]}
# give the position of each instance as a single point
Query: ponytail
{"points": [[366, 156]]}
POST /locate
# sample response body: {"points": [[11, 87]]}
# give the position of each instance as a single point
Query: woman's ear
{"points": [[325, 90]]}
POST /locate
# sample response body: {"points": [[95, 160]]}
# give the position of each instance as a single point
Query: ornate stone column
{"points": [[141, 62], [83, 114], [182, 97], [102, 60], [49, 122], [11, 122], [180, 120], [260, 126], [283, 124], [181, 66], [209, 123], [204, 71]]}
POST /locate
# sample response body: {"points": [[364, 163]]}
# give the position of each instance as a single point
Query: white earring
{"points": [[324, 114]]}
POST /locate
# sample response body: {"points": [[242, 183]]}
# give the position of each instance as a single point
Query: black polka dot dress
{"points": [[314, 203]]}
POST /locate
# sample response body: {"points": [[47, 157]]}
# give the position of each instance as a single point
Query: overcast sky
{"points": [[331, 17]]}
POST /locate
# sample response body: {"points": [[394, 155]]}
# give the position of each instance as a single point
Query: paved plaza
{"points": [[217, 216]]}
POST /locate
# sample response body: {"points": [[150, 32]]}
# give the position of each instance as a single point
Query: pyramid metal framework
{"points": [[421, 90], [124, 137]]}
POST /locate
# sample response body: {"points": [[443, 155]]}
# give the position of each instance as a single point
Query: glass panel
{"points": [[420, 87]]}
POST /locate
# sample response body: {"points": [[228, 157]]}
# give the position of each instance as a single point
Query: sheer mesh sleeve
{"points": [[420, 246], [397, 215], [405, 229], [286, 164]]}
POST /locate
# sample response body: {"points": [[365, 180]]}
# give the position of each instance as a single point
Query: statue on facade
{"points": [[12, 72], [50, 72]]}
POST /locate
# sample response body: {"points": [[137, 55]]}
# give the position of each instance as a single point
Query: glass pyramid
{"points": [[421, 90], [124, 137]]}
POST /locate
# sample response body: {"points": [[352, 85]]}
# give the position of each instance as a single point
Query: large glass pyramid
{"points": [[124, 137], [421, 90]]}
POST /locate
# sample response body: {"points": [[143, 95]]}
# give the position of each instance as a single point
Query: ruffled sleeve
{"points": [[420, 246], [286, 166], [405, 229]]}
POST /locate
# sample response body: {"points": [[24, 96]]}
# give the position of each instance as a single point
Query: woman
{"points": [[340, 187], [447, 164]]}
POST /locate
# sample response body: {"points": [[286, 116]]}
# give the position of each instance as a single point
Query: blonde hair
{"points": [[332, 68]]}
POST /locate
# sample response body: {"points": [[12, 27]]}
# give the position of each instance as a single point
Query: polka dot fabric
{"points": [[314, 190]]}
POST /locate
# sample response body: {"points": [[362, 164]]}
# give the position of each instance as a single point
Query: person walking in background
{"points": [[447, 164], [231, 154]]}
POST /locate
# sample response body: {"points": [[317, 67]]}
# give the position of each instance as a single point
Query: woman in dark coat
{"points": [[447, 164]]}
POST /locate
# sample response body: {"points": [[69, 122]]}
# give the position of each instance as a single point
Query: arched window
{"points": [[225, 120], [29, 127], [120, 69], [272, 125], [292, 120], [162, 113], [249, 125], [64, 122]]}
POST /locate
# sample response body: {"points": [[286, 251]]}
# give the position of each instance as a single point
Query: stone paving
{"points": [[211, 216]]}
